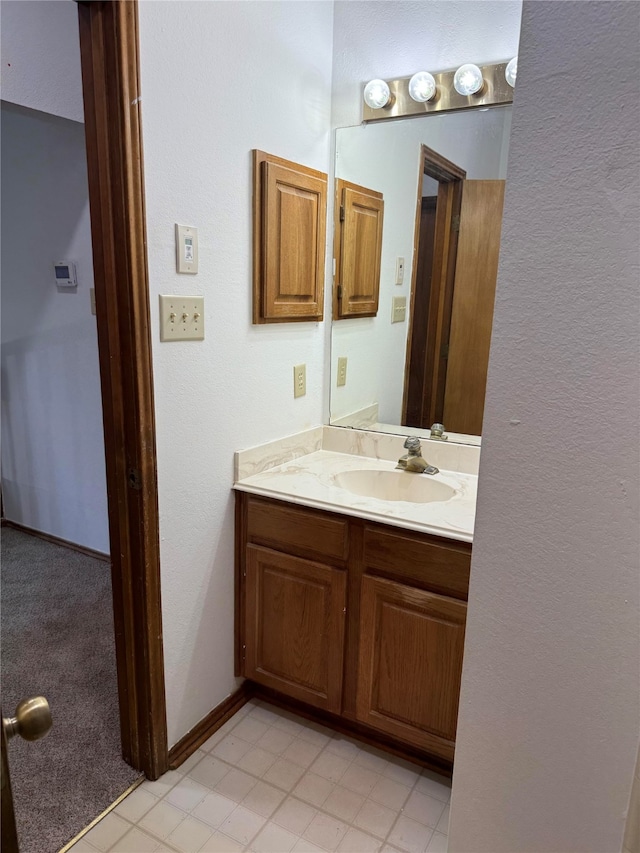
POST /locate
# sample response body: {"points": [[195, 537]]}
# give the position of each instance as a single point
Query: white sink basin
{"points": [[394, 486]]}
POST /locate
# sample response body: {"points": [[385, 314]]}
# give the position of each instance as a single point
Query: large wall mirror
{"points": [[442, 181]]}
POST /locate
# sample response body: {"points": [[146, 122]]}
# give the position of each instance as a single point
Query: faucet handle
{"points": [[412, 444], [437, 432]]}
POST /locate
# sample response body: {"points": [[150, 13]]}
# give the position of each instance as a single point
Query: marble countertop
{"points": [[309, 480]]}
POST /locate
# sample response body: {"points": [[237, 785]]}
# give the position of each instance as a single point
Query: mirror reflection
{"points": [[441, 178]]}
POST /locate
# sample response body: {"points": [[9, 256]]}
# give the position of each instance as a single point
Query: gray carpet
{"points": [[57, 640]]}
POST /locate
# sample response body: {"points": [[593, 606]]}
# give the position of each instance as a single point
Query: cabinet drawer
{"points": [[289, 528], [413, 559]]}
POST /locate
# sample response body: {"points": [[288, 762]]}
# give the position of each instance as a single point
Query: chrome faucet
{"points": [[413, 461]]}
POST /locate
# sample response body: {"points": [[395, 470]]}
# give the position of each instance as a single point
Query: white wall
{"points": [[387, 157], [550, 705], [219, 79], [53, 474], [41, 56]]}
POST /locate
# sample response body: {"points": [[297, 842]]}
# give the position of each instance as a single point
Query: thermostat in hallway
{"points": [[65, 272]]}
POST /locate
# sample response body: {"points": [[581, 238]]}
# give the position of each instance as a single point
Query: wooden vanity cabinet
{"points": [[362, 620]]}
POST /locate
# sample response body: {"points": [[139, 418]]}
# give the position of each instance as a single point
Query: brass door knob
{"points": [[32, 719]]}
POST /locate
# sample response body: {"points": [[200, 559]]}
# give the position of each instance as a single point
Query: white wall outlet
{"points": [[182, 318], [342, 371], [399, 270], [398, 309], [299, 380], [186, 249]]}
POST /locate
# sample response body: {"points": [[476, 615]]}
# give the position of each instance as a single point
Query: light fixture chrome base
{"points": [[495, 92]]}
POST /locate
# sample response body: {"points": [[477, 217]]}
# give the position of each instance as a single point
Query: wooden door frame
{"points": [[431, 367], [110, 80]]}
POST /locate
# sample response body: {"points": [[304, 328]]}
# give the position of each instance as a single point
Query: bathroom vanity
{"points": [[361, 620]]}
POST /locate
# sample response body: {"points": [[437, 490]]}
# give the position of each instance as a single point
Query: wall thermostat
{"points": [[65, 272]]}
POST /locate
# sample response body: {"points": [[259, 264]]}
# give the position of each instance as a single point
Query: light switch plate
{"points": [[186, 249], [299, 380], [398, 309], [342, 371], [182, 318], [399, 270]]}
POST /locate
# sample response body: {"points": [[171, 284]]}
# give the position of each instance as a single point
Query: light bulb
{"points": [[468, 80], [377, 94], [511, 71], [422, 86]]}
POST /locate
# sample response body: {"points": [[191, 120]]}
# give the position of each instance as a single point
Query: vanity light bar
{"points": [[494, 92]]}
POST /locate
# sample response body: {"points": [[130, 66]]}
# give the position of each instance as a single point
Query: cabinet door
{"points": [[295, 613], [359, 252], [290, 208], [410, 663]]}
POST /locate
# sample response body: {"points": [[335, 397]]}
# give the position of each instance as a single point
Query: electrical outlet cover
{"points": [[299, 380], [342, 371], [182, 318]]}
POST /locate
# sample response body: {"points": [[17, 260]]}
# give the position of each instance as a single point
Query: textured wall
{"points": [[550, 705], [41, 56], [53, 476], [219, 79]]}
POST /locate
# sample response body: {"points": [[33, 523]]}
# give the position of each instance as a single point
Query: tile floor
{"points": [[271, 782]]}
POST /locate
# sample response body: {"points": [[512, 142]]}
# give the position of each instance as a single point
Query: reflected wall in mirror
{"points": [[403, 376]]}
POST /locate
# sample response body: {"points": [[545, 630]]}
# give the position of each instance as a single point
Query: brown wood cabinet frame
{"points": [[110, 79]]}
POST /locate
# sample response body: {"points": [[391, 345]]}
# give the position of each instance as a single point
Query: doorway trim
{"points": [[426, 357], [110, 80]]}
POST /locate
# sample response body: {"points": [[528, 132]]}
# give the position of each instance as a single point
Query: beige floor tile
{"points": [[326, 831], [243, 825], [250, 729], [284, 774], [275, 740], [231, 748], [190, 835], [109, 830], [356, 841], [343, 803], [135, 841], [402, 772], [236, 785], [137, 804], [214, 809], [438, 843], [330, 766], [219, 843], [162, 785], [162, 819], [288, 723], [434, 785], [264, 799], [209, 772], [443, 824], [187, 794], [83, 846], [188, 765], [372, 758], [265, 713], [360, 780], [344, 747], [274, 839], [304, 846], [389, 793], [294, 815], [315, 733], [410, 835], [257, 761], [424, 809], [302, 752], [313, 789], [375, 818], [389, 849]]}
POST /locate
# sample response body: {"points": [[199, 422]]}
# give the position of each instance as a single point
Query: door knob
{"points": [[32, 719]]}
